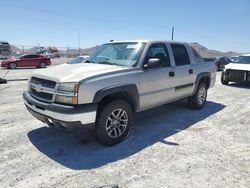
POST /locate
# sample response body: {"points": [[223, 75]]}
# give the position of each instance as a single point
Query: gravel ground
{"points": [[170, 146]]}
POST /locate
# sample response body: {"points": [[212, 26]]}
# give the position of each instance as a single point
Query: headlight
{"points": [[68, 88], [67, 93]]}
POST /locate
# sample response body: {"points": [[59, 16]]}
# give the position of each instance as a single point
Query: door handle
{"points": [[191, 71], [171, 74]]}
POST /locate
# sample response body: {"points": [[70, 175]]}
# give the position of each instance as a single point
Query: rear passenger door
{"points": [[156, 86], [184, 71]]}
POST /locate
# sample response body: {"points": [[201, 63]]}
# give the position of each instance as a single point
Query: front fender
{"points": [[130, 89]]}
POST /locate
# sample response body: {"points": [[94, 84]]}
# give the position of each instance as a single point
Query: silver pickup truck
{"points": [[120, 78]]}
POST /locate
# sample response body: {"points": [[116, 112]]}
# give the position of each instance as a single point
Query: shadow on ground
{"points": [[151, 126], [240, 85]]}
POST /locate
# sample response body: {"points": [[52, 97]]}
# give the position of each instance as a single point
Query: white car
{"points": [[237, 71], [79, 59]]}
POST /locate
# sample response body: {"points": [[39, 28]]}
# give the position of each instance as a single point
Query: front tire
{"points": [[224, 79], [114, 122], [199, 99]]}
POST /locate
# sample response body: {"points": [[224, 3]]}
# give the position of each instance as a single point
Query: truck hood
{"points": [[75, 72], [237, 66]]}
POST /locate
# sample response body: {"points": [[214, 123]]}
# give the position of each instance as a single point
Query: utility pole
{"points": [[172, 33], [79, 41]]}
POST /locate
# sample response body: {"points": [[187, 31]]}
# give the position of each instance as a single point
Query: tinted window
{"points": [[228, 60], [30, 56], [159, 51], [243, 60], [180, 54]]}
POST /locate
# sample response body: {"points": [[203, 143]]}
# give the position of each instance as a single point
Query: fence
{"points": [[61, 51]]}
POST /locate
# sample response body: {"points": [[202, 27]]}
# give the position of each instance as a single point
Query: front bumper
{"points": [[237, 75], [79, 117], [3, 65]]}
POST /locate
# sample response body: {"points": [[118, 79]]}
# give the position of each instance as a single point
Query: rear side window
{"points": [[180, 54]]}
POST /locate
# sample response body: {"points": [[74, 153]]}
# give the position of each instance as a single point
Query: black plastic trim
{"points": [[81, 108], [199, 77], [183, 86], [131, 89]]}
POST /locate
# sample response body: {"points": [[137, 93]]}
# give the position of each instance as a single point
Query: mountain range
{"points": [[202, 50]]}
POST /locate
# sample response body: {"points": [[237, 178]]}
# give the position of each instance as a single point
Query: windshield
{"points": [[121, 54], [242, 60], [76, 60]]}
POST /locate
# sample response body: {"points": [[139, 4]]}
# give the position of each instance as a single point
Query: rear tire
{"points": [[42, 65], [114, 121], [199, 99], [12, 66]]}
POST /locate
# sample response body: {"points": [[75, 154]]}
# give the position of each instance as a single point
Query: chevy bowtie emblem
{"points": [[38, 88]]}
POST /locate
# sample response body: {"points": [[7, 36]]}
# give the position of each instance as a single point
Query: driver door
{"points": [[156, 84]]}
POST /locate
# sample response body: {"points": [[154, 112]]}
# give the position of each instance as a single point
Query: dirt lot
{"points": [[170, 146]]}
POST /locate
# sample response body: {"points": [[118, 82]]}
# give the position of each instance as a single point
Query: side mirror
{"points": [[153, 63]]}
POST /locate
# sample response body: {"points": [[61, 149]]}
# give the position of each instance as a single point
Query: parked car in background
{"points": [[51, 55], [79, 59], [31, 60], [234, 58], [237, 71], [221, 62]]}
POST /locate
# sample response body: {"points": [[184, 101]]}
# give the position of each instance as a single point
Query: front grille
{"points": [[41, 95], [38, 94], [43, 82], [237, 75]]}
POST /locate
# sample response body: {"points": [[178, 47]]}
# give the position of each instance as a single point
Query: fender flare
{"points": [[199, 77], [130, 89]]}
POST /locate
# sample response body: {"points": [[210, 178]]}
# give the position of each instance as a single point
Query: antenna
{"points": [[172, 33]]}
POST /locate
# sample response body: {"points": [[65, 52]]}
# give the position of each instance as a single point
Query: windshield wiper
{"points": [[108, 63], [88, 61]]}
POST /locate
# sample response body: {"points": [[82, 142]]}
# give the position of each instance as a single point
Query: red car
{"points": [[26, 61]]}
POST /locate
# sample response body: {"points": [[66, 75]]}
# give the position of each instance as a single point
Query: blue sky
{"points": [[217, 24]]}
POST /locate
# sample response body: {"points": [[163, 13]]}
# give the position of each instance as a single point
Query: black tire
{"points": [[219, 67], [111, 130], [42, 65], [224, 79], [199, 99], [12, 66]]}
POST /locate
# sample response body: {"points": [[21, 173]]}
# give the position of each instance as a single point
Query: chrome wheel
{"points": [[117, 123], [202, 95]]}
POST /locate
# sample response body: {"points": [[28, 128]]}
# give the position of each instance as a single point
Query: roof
{"points": [[146, 41], [4, 42], [245, 55]]}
